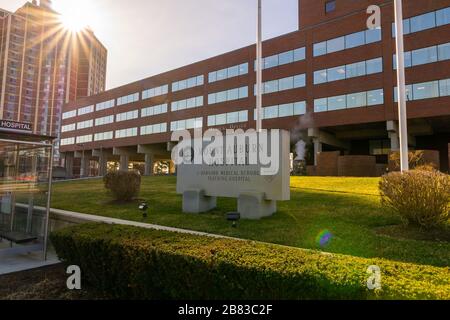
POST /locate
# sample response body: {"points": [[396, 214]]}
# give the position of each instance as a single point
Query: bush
{"points": [[134, 263], [420, 197], [416, 160], [124, 185]]}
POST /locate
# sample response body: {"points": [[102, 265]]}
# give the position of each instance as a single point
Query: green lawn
{"points": [[348, 207]]}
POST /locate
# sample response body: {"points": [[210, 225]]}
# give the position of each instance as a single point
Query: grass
{"points": [[348, 207]]}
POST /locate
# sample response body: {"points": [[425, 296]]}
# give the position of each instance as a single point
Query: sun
{"points": [[74, 14]]}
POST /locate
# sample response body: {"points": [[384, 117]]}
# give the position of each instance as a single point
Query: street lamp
{"points": [[259, 69], [401, 87]]}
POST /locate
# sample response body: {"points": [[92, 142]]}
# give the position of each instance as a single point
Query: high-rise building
{"points": [[43, 65], [332, 84]]}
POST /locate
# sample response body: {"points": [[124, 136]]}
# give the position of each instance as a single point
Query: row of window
{"points": [[153, 111], [228, 95], [228, 118], [187, 103], [125, 116], [426, 90], [104, 120], [283, 58], [154, 92], [193, 123], [85, 124], [128, 99], [349, 71], [125, 133], [346, 42], [105, 105], [425, 55], [288, 83], [284, 110], [227, 73], [85, 110], [424, 21], [352, 100], [154, 128], [188, 83], [103, 136]]}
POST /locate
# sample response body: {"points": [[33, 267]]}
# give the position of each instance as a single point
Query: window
{"points": [[355, 69], [228, 118], [228, 95], [425, 55], [297, 81], [373, 35], [374, 66], [284, 110], [379, 147], [443, 17], [444, 51], [104, 120], [286, 84], [335, 74], [187, 103], [188, 83], [84, 139], [85, 124], [128, 99], [103, 136], [69, 127], [423, 22], [130, 115], [320, 49], [444, 87], [154, 92], [69, 114], [153, 111], [334, 45], [355, 40], [330, 6], [125, 133], [85, 110], [186, 124], [426, 90], [352, 100], [320, 76], [67, 141], [154, 128], [105, 105]]}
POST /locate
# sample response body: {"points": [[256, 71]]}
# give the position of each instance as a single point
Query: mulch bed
{"points": [[46, 283]]}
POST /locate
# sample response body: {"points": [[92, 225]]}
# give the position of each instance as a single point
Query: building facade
{"points": [[331, 84], [43, 66]]}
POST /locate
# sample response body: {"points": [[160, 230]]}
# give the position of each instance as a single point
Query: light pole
{"points": [[401, 87], [259, 69]]}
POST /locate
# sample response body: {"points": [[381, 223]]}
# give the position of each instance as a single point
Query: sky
{"points": [[148, 37]]}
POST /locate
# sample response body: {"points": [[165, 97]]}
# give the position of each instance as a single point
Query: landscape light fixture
{"points": [[143, 206], [234, 217]]}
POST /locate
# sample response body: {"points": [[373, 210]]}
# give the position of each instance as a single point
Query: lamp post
{"points": [[259, 69], [401, 87]]}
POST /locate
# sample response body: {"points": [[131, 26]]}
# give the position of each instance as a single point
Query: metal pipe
{"points": [[401, 87], [259, 69]]}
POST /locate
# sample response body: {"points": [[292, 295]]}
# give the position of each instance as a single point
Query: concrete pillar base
{"points": [[124, 162], [148, 171], [195, 201], [254, 206]]}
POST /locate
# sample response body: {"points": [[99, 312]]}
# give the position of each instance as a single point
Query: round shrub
{"points": [[420, 197], [124, 185]]}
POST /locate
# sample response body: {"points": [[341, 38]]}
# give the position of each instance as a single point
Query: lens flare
{"points": [[324, 238]]}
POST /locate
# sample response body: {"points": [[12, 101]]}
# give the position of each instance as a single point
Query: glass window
{"points": [[355, 40], [408, 60], [356, 100], [337, 73], [320, 76], [199, 101], [425, 55], [336, 44], [271, 62], [243, 69], [320, 49], [373, 35], [337, 103], [222, 74], [233, 94], [300, 108], [243, 116], [286, 57], [320, 105], [443, 17], [221, 96], [233, 71], [444, 51], [221, 119], [286, 110], [286, 83], [356, 69], [212, 98], [426, 90], [375, 97], [271, 112], [232, 117], [211, 120], [330, 6], [444, 87], [243, 92], [374, 66], [423, 22], [270, 86], [191, 82], [299, 54], [299, 81]]}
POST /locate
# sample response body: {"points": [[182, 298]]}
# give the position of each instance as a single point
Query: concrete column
{"points": [[102, 164], [84, 169], [69, 165], [148, 165], [395, 142], [124, 162], [317, 149]]}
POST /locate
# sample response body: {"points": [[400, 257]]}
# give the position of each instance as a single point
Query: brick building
{"points": [[43, 65], [331, 83]]}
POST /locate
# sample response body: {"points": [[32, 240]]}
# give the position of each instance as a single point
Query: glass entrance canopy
{"points": [[25, 189]]}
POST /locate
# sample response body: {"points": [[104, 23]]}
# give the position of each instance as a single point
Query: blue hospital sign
{"points": [[10, 125]]}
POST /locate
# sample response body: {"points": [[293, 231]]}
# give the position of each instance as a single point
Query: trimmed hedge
{"points": [[134, 263]]}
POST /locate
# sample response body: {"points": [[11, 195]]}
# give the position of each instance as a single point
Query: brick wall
{"points": [[357, 166], [327, 164]]}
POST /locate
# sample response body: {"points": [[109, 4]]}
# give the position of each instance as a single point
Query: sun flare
{"points": [[74, 14]]}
